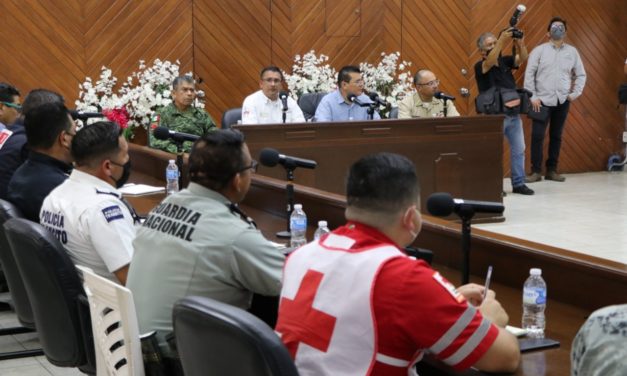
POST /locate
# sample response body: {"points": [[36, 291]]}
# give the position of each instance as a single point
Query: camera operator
{"points": [[495, 70]]}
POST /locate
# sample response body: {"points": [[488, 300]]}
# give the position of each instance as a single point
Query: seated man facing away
{"points": [[198, 242], [353, 303], [336, 105], [86, 213], [600, 347], [265, 107], [182, 116], [49, 131], [423, 102]]}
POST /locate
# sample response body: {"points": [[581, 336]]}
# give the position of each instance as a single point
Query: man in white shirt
{"points": [[86, 212], [265, 106]]}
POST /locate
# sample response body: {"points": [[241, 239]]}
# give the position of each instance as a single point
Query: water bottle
{"points": [[172, 178], [322, 229], [534, 303], [298, 226]]}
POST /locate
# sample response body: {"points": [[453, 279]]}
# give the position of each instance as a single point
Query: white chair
{"points": [[114, 324]]}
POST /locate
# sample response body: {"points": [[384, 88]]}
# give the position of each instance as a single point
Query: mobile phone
{"points": [[532, 344]]}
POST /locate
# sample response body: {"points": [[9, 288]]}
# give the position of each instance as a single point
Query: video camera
{"points": [[517, 33]]}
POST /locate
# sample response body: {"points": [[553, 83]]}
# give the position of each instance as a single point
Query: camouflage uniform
{"points": [[193, 121]]}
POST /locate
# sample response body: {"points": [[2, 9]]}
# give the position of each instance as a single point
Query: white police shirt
{"points": [[87, 215], [259, 109]]}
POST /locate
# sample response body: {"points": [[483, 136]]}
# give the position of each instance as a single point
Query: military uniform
{"points": [[412, 106], [193, 121], [87, 215], [197, 243]]}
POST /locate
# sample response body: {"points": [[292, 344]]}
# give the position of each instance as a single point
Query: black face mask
{"points": [[126, 172]]}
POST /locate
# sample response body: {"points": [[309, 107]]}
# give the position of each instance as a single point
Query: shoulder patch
{"points": [[111, 213], [448, 286], [4, 136]]}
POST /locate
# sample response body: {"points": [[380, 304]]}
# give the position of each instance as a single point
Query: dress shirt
{"points": [[333, 108], [92, 222], [412, 107], [550, 73], [259, 109]]}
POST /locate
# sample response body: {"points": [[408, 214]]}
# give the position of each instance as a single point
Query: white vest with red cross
{"points": [[326, 317]]}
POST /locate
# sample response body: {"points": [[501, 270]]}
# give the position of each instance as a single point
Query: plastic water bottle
{"points": [[298, 226], [322, 229], [534, 303], [172, 178]]}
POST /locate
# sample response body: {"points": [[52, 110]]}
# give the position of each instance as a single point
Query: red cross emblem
{"points": [[300, 322]]}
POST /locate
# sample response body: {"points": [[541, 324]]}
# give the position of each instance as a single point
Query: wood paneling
{"points": [[56, 43]]}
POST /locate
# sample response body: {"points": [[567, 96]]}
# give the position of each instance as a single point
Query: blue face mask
{"points": [[557, 32]]}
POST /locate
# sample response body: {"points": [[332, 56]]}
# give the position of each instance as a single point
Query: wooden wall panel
{"points": [[56, 43], [232, 41]]}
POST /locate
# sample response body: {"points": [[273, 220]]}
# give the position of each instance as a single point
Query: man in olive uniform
{"points": [[182, 116], [198, 242]]}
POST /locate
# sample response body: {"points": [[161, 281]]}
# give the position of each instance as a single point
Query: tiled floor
{"points": [[587, 213]]}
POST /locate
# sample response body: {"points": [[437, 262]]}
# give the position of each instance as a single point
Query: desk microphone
{"points": [[79, 115], [353, 98], [163, 133], [441, 95], [442, 204], [270, 158]]}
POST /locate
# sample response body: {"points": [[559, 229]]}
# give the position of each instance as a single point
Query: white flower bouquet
{"points": [[389, 78], [310, 74]]}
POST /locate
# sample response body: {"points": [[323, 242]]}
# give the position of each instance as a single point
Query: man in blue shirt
{"points": [[336, 105], [49, 130]]}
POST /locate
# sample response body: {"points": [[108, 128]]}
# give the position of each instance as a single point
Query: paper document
{"points": [[140, 189]]}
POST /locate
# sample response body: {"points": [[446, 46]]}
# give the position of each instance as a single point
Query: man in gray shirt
{"points": [[198, 242], [556, 77]]}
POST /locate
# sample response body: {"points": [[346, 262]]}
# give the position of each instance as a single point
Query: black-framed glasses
{"points": [[431, 83], [12, 105], [253, 166]]}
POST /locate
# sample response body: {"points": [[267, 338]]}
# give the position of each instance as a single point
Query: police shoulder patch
{"points": [[111, 213]]}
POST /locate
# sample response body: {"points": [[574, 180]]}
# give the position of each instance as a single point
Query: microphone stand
{"points": [[466, 213], [289, 190], [446, 107], [179, 160], [284, 114], [371, 107]]}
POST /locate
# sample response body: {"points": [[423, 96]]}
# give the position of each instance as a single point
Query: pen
{"points": [[487, 282]]}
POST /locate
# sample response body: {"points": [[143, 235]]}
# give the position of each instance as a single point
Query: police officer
{"points": [[86, 213], [49, 130], [198, 242], [182, 116]]}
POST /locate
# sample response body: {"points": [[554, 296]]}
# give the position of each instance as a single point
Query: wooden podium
{"points": [[459, 155]]}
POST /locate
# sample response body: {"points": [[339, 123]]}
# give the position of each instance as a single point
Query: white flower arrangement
{"points": [[135, 103], [310, 74], [384, 79]]}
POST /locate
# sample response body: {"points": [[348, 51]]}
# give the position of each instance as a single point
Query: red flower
{"points": [[117, 115]]}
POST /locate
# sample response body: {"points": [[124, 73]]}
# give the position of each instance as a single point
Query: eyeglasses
{"points": [[358, 82], [253, 166], [431, 83], [272, 80], [12, 105]]}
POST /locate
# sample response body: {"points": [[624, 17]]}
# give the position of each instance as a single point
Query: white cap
{"points": [[535, 271], [322, 223], [171, 161], [298, 206]]}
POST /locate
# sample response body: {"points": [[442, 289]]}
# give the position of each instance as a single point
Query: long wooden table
{"points": [[459, 155]]}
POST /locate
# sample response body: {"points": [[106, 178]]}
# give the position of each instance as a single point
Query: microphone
{"points": [[441, 204], [376, 99], [353, 98], [163, 133], [77, 115], [520, 9], [441, 95], [283, 97], [270, 157]]}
